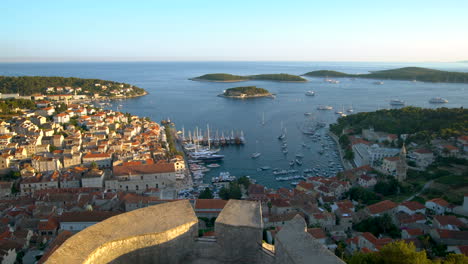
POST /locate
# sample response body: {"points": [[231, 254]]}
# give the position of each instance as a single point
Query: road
{"points": [[427, 185]]}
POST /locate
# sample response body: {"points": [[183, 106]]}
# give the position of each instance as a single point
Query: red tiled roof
{"points": [[96, 155], [392, 158], [440, 202], [445, 220], [381, 207], [50, 224], [415, 232], [210, 204], [451, 234], [317, 233], [306, 185], [144, 169], [86, 216], [413, 205], [423, 151]]}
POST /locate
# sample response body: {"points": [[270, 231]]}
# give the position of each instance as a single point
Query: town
{"points": [[67, 164]]}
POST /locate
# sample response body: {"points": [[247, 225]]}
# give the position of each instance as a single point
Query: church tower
{"points": [[402, 167]]}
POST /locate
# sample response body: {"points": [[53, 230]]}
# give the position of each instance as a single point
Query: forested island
{"points": [[29, 85], [225, 77], [246, 92], [407, 73], [422, 123]]}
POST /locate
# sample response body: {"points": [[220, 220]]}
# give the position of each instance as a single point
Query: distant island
{"points": [[407, 74], [225, 77], [32, 85], [245, 92]]}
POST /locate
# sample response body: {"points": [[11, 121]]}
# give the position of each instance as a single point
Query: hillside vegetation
{"points": [[422, 122], [408, 73], [28, 85], [225, 77], [247, 90]]}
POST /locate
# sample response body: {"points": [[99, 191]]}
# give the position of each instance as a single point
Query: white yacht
{"points": [[325, 107], [438, 100], [310, 93], [331, 81], [397, 102], [256, 155], [378, 83]]}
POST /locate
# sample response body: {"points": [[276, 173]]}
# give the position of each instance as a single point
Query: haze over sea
{"points": [[190, 103]]}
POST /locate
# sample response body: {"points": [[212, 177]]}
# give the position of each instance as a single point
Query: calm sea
{"points": [[190, 104]]}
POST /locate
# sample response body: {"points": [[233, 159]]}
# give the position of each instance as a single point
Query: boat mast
{"points": [[208, 129]]}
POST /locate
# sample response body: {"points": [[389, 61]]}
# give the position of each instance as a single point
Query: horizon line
{"points": [[122, 60]]}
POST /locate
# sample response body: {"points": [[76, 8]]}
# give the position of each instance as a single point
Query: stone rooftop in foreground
{"points": [[251, 217], [168, 233]]}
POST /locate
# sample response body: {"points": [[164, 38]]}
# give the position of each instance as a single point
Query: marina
{"points": [[276, 124]]}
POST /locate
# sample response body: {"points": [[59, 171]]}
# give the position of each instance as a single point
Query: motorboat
{"points": [[397, 102], [310, 93], [324, 107]]}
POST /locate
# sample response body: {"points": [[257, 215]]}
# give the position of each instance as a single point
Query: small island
{"points": [[245, 92], [225, 77], [405, 74]]}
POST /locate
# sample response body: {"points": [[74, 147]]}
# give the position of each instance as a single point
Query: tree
{"points": [[455, 259], [401, 252], [224, 193], [244, 180], [206, 194], [94, 165]]}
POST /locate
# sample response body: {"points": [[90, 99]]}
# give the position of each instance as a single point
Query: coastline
{"points": [[232, 81], [272, 96], [228, 81]]}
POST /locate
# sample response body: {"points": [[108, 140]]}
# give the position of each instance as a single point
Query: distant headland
{"points": [[245, 92], [407, 74], [33, 85], [225, 77]]}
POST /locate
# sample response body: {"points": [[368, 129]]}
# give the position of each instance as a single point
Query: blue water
{"points": [[190, 104]]}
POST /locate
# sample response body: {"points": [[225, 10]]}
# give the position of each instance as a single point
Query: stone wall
{"points": [[163, 233], [167, 233]]}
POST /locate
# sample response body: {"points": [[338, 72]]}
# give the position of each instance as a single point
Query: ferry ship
{"points": [[438, 100]]}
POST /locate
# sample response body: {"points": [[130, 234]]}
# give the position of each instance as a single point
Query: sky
{"points": [[239, 30]]}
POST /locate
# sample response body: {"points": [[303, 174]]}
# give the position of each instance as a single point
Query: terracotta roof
{"points": [[423, 151], [450, 147], [451, 234], [144, 169], [306, 185], [445, 220], [317, 233], [256, 189], [381, 207], [392, 158], [413, 205], [50, 224], [415, 232], [96, 155], [440, 202], [86, 216], [209, 204]]}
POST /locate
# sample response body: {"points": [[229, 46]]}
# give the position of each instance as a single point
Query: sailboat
{"points": [[283, 134], [256, 154], [263, 119], [350, 110]]}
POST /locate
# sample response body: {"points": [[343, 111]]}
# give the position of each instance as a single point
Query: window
{"points": [[136, 187], [157, 186]]}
